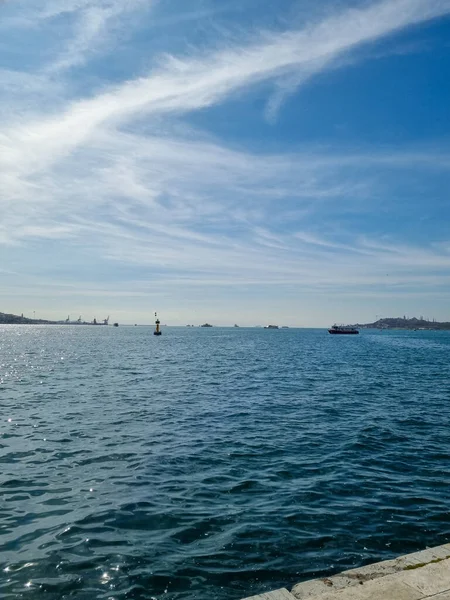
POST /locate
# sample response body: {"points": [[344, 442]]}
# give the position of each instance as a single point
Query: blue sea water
{"points": [[215, 463]]}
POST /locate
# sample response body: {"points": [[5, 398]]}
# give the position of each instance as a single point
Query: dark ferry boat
{"points": [[343, 330]]}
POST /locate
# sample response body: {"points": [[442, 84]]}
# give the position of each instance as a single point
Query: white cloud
{"points": [[175, 198], [185, 84], [95, 23]]}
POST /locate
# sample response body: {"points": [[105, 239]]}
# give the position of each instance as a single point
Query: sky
{"points": [[229, 161]]}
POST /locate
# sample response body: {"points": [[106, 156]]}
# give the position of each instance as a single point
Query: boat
{"points": [[343, 330], [116, 324], [271, 327], [104, 322], [206, 325]]}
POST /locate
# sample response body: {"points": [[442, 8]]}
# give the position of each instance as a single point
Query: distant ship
{"points": [[104, 322], [271, 327], [343, 330], [79, 321], [206, 325]]}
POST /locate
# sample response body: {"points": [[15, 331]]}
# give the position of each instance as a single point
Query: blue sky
{"points": [[225, 161]]}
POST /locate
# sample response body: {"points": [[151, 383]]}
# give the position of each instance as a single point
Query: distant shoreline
{"points": [[404, 323], [388, 323], [11, 319]]}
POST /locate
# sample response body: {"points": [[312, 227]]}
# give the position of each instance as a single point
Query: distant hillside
{"points": [[404, 323], [9, 319]]}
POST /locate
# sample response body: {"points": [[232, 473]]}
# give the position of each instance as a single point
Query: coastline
{"points": [[417, 576]]}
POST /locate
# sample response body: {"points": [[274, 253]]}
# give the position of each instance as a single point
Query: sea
{"points": [[215, 463]]}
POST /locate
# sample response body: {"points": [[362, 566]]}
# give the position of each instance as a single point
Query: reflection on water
{"points": [[215, 462]]}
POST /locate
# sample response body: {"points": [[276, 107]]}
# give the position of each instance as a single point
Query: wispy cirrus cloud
{"points": [[96, 22], [119, 171], [182, 85]]}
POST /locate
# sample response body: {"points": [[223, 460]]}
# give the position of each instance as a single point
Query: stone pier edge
{"points": [[415, 576]]}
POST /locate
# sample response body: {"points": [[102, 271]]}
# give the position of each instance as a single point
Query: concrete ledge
{"points": [[401, 571], [414, 576], [281, 594]]}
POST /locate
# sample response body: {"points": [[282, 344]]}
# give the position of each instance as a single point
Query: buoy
{"points": [[157, 323]]}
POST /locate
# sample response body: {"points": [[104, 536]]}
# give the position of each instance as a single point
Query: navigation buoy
{"points": [[157, 323]]}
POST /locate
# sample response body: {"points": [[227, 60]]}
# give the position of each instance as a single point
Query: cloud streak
{"points": [[96, 21], [119, 172], [182, 85]]}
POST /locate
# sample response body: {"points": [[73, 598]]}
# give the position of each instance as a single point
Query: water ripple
{"points": [[216, 463]]}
